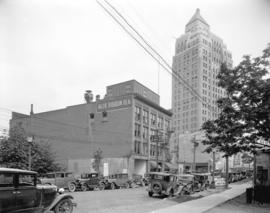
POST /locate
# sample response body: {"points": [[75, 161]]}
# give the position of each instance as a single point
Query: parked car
{"points": [[19, 192], [90, 181], [203, 180], [146, 179], [189, 181], [163, 184], [64, 180], [137, 180], [117, 181]]}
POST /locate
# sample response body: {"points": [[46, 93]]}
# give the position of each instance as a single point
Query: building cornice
{"points": [[152, 104]]}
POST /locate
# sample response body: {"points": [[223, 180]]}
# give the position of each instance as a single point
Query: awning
{"points": [[170, 166], [153, 164]]}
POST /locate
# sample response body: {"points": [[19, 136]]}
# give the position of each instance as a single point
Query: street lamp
{"points": [[30, 141]]}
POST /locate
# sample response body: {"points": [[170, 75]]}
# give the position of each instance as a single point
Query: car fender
{"points": [[179, 189], [169, 189], [57, 200]]}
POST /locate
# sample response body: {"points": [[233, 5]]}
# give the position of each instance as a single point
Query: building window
{"points": [[160, 122], [167, 124], [92, 115], [137, 131], [137, 113], [145, 116], [152, 133], [145, 132], [152, 150], [104, 114], [153, 119], [137, 147], [145, 148]]}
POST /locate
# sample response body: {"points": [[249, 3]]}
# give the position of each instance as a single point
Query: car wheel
{"points": [[112, 186], [71, 187], [133, 185], [64, 206], [84, 187], [127, 185], [150, 194], [101, 186], [182, 192], [156, 187], [171, 193]]}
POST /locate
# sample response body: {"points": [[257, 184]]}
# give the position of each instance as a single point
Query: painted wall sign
{"points": [[113, 104]]}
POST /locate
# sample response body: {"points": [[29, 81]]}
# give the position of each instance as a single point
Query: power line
{"points": [[173, 73]]}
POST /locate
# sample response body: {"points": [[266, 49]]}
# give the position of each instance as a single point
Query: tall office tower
{"points": [[198, 56]]}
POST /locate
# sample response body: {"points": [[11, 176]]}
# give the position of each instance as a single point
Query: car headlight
{"points": [[61, 190]]}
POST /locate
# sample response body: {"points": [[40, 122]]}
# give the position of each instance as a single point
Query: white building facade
{"points": [[198, 56]]}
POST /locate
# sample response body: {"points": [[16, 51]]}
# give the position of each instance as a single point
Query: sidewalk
{"points": [[208, 202]]}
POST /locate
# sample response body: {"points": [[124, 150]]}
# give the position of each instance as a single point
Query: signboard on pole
{"points": [[220, 182]]}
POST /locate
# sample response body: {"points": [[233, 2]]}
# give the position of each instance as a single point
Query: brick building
{"points": [[120, 125]]}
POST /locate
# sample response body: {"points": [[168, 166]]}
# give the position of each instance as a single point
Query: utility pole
{"points": [[157, 141], [156, 138], [30, 138], [177, 154], [195, 145]]}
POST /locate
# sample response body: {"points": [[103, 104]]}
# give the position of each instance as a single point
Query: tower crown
{"points": [[197, 17], [196, 23]]}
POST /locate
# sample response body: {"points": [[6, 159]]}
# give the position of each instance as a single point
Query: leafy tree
{"points": [[247, 159], [245, 111], [14, 152], [97, 160], [248, 92]]}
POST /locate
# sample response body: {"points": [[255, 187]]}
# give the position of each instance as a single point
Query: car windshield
{"points": [[49, 176], [185, 178], [6, 180], [26, 180], [160, 177]]}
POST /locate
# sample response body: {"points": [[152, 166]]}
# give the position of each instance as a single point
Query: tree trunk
{"points": [[254, 170], [227, 172]]}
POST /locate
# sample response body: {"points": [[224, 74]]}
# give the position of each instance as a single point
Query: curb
{"points": [[206, 203]]}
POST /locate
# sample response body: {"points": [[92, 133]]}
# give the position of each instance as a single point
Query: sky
{"points": [[51, 51]]}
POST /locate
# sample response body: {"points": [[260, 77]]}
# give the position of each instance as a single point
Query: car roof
{"points": [[185, 175], [160, 173], [201, 174], [12, 170], [58, 173]]}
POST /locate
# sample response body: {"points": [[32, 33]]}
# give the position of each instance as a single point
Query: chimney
{"points": [[32, 110], [88, 96], [97, 97]]}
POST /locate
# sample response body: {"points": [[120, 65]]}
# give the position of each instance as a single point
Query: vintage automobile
{"points": [[163, 184], [90, 181], [19, 192], [202, 180], [137, 180], [64, 180], [117, 181], [189, 181]]}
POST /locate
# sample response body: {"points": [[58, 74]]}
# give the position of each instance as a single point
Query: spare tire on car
{"points": [[156, 187], [72, 187]]}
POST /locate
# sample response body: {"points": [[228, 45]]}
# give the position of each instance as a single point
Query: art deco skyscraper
{"points": [[198, 56]]}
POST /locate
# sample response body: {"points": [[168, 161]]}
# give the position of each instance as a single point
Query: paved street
{"points": [[137, 200], [120, 200]]}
